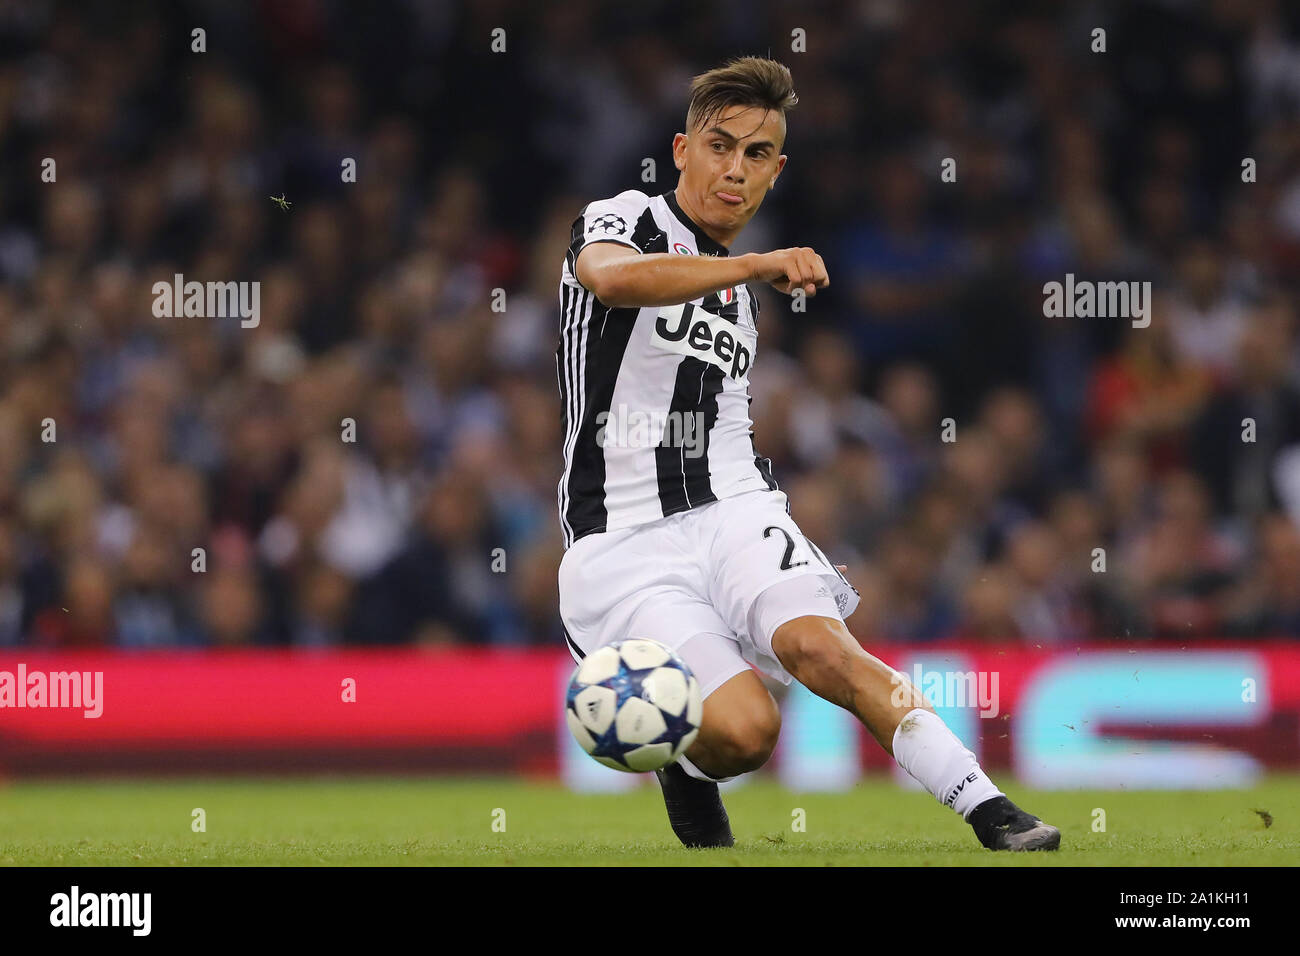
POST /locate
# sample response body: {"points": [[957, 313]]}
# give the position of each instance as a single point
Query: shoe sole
{"points": [[1041, 837]]}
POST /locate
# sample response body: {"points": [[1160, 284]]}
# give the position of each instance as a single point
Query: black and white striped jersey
{"points": [[655, 400]]}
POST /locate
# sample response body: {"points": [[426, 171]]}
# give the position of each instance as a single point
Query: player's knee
{"points": [[813, 644], [747, 738]]}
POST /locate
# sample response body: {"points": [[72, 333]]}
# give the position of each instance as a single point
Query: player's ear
{"points": [[780, 165], [680, 141]]}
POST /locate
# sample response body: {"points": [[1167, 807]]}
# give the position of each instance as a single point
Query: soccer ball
{"points": [[634, 705]]}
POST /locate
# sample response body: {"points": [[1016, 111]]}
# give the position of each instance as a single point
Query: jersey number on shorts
{"points": [[789, 547], [787, 564]]}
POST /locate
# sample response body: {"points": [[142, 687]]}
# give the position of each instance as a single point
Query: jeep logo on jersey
{"points": [[690, 330]]}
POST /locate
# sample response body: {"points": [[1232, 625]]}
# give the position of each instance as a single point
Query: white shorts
{"points": [[693, 581]]}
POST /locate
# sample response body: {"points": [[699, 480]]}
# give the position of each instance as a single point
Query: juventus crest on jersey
{"points": [[655, 400]]}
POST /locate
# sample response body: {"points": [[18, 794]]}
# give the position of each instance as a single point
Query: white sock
{"points": [[697, 773], [930, 752]]}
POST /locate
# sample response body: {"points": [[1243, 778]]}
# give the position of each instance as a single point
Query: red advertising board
{"points": [[1039, 711]]}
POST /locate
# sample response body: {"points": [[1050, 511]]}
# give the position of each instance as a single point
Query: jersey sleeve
{"points": [[618, 219]]}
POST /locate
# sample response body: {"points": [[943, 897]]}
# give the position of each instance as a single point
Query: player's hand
{"points": [[790, 269]]}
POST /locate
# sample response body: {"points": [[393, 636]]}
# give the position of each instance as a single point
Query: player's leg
{"points": [[777, 589], [737, 734], [739, 729], [823, 656], [740, 721], [821, 653], [609, 591]]}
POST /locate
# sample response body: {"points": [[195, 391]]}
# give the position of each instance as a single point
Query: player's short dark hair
{"points": [[743, 81]]}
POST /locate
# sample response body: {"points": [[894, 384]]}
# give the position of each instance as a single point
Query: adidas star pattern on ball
{"points": [[634, 705]]}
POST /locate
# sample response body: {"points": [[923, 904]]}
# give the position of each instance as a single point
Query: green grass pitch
{"points": [[448, 821]]}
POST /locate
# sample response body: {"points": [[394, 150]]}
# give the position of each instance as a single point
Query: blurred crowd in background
{"points": [[438, 523]]}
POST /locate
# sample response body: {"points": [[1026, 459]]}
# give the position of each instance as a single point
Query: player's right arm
{"points": [[621, 277]]}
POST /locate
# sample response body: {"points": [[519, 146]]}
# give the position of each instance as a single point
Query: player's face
{"points": [[728, 166]]}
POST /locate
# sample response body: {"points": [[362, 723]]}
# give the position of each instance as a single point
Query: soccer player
{"points": [[674, 528]]}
